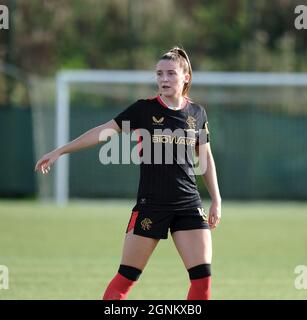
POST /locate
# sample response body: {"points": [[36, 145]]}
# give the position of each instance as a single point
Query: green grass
{"points": [[73, 252]]}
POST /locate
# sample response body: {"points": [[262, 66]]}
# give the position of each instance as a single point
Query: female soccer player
{"points": [[168, 198]]}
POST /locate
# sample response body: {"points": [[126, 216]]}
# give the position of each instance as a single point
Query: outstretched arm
{"points": [[86, 140], [208, 170]]}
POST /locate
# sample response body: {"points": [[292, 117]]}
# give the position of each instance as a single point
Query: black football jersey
{"points": [[168, 138]]}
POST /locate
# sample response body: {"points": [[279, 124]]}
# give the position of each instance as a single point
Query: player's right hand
{"points": [[46, 161]]}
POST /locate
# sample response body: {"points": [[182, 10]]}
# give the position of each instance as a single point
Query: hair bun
{"points": [[179, 51], [176, 50]]}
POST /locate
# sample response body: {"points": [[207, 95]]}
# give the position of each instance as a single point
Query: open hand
{"points": [[44, 164]]}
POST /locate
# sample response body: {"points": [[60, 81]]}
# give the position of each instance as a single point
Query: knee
{"points": [[122, 283], [200, 277], [129, 272], [200, 271]]}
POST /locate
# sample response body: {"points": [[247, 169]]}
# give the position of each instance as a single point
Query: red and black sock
{"points": [[122, 283], [200, 277]]}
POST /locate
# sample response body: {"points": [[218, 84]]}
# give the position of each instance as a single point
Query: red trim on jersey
{"points": [[165, 106], [132, 221], [161, 102]]}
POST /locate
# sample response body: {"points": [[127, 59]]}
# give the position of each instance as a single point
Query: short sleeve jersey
{"points": [[168, 141]]}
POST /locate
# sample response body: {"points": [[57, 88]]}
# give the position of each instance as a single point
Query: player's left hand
{"points": [[215, 214]]}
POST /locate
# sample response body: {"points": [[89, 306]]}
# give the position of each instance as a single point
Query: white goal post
{"points": [[65, 78]]}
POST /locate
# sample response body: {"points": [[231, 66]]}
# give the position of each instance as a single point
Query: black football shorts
{"points": [[155, 224]]}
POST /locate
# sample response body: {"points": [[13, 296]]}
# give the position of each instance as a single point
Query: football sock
{"points": [[200, 278], [122, 283]]}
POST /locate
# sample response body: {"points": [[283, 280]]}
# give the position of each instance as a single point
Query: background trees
{"points": [[49, 35]]}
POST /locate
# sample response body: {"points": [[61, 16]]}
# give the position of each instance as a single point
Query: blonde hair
{"points": [[179, 55]]}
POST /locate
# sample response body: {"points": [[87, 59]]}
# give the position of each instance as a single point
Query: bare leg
{"points": [[137, 250], [136, 253], [195, 249], [194, 246]]}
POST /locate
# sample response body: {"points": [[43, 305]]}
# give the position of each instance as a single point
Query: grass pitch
{"points": [[73, 252]]}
